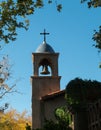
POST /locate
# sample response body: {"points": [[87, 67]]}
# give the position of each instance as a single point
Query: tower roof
{"points": [[44, 48]]}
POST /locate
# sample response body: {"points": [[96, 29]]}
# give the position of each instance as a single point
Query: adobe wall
{"points": [[50, 105]]}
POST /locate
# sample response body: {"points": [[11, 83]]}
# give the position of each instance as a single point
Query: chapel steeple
{"points": [[44, 84], [46, 57]]}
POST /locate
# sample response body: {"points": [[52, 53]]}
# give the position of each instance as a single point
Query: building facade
{"points": [[46, 93]]}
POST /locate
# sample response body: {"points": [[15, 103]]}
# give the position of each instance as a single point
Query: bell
{"points": [[45, 70]]}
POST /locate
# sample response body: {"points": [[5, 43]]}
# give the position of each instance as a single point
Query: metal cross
{"points": [[44, 33]]}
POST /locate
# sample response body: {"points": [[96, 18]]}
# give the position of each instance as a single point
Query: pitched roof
{"points": [[53, 95]]}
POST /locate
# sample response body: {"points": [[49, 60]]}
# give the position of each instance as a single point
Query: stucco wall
{"points": [[49, 106]]}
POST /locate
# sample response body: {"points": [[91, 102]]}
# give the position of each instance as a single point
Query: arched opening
{"points": [[43, 71], [45, 68]]}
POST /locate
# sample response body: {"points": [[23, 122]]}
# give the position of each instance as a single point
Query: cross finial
{"points": [[44, 33]]}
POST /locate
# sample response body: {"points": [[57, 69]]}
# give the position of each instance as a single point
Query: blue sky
{"points": [[70, 35]]}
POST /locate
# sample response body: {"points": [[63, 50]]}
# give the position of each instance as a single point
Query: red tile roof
{"points": [[53, 95]]}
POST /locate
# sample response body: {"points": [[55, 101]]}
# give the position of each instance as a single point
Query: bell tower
{"points": [[45, 79]]}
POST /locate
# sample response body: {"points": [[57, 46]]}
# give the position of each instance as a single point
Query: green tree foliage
{"points": [[63, 117], [14, 13], [97, 39], [97, 33], [51, 125], [11, 14], [92, 3], [80, 91]]}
